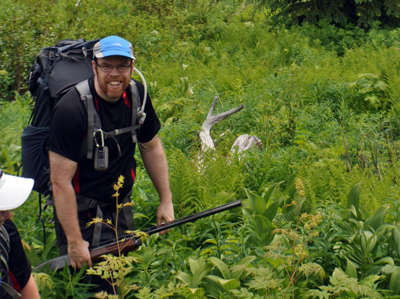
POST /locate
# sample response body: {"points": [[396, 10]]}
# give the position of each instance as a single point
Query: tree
{"points": [[363, 13]]}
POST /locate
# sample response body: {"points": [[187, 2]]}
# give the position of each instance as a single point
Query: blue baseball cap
{"points": [[113, 46]]}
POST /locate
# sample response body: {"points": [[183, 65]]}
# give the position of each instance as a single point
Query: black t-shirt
{"points": [[69, 129], [18, 264]]}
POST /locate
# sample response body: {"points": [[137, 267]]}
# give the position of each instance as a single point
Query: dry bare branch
{"points": [[245, 142], [205, 136]]}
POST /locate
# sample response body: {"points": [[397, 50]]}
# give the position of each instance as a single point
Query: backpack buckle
{"points": [[101, 151], [98, 136]]}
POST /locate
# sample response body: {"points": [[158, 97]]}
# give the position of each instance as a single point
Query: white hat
{"points": [[14, 191]]}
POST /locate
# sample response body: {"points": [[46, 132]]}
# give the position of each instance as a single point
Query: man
{"points": [[15, 270], [81, 188]]}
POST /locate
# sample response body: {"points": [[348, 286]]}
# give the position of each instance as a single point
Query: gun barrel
{"points": [[194, 217]]}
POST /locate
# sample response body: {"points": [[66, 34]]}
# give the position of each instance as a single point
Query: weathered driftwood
{"points": [[242, 143], [205, 137], [245, 142]]}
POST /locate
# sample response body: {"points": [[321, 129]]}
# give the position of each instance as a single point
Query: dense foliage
{"points": [[321, 211], [363, 13]]}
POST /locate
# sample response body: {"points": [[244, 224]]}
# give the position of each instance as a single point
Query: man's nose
{"points": [[114, 71]]}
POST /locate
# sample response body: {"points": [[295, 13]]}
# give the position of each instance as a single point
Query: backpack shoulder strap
{"points": [[13, 293], [135, 104], [5, 247], [93, 118], [4, 250]]}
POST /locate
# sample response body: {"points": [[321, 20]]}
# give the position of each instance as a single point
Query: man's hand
{"points": [[165, 213], [79, 254]]}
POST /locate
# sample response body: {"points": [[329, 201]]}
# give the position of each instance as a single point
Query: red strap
{"points": [[126, 100], [75, 182], [96, 103], [14, 282], [124, 96], [133, 175]]}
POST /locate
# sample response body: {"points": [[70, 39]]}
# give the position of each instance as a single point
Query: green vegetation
{"points": [[321, 201], [364, 13]]}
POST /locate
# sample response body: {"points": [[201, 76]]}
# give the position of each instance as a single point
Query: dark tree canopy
{"points": [[363, 13]]}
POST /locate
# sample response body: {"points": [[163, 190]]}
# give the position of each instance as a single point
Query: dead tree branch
{"points": [[205, 136], [245, 142]]}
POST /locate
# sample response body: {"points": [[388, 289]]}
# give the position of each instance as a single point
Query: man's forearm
{"points": [[67, 212], [62, 171], [30, 291], [155, 162]]}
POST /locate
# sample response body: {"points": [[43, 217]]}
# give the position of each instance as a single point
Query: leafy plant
{"points": [[193, 280], [370, 92], [344, 286], [259, 212], [371, 245]]}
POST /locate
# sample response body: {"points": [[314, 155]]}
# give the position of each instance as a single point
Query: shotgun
{"points": [[130, 242]]}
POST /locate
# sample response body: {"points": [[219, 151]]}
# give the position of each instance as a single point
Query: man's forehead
{"points": [[115, 59]]}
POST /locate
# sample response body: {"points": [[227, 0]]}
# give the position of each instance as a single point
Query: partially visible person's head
{"points": [[13, 193], [113, 64]]}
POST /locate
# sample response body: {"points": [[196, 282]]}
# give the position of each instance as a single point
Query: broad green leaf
{"points": [[271, 210], [185, 278], [353, 198], [226, 284], [196, 266], [263, 224], [387, 260], [376, 220], [275, 262], [388, 269], [199, 270], [381, 85], [255, 203], [240, 268], [394, 283], [267, 195], [222, 267], [259, 204], [368, 241], [351, 269], [141, 216], [264, 228], [396, 238], [339, 279], [242, 293], [196, 291], [210, 241]]}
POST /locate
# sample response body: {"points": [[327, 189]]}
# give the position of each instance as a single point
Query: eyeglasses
{"points": [[106, 68]]}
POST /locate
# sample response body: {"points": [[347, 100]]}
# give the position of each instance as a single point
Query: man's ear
{"points": [[133, 66], [94, 67]]}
